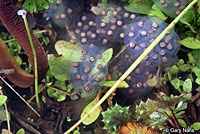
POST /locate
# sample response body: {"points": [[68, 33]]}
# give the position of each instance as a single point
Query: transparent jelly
{"points": [[142, 32]]}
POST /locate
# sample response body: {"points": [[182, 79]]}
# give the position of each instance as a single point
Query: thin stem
{"points": [[35, 62], [7, 115], [135, 64]]}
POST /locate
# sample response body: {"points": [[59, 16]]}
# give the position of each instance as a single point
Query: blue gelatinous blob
{"points": [[85, 29], [171, 8], [87, 74], [142, 32], [112, 21], [138, 81], [63, 14]]}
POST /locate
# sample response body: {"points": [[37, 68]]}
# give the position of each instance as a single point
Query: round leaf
{"points": [[3, 99], [196, 126], [187, 86], [191, 43], [93, 116]]}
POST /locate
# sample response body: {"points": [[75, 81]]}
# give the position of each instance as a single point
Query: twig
{"points": [[20, 97], [33, 97], [98, 96], [136, 63], [63, 92]]}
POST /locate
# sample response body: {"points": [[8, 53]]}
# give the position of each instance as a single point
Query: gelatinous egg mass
{"points": [[142, 32], [87, 70], [62, 13], [171, 8], [112, 21], [85, 29], [140, 81]]}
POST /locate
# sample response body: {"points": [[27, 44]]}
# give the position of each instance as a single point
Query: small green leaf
{"points": [[3, 99], [180, 62], [191, 43], [93, 116], [191, 58], [197, 80], [156, 12], [196, 126], [197, 72], [184, 68], [65, 48], [20, 131], [187, 86], [188, 18], [123, 84], [182, 123], [175, 83], [59, 67], [139, 6], [180, 104], [173, 70]]}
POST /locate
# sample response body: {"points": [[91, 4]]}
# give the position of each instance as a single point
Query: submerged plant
{"points": [[116, 117], [174, 109]]}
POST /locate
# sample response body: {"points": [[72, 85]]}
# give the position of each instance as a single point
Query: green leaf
{"points": [[123, 84], [65, 48], [187, 86], [59, 67], [181, 106], [3, 99], [175, 83], [196, 126], [173, 70], [3, 114], [197, 80], [20, 131], [187, 18], [191, 43], [191, 58], [139, 6], [182, 123], [197, 72], [180, 62], [184, 68], [36, 5], [156, 12], [93, 116]]}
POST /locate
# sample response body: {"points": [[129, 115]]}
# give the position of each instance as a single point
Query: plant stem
{"points": [[35, 62], [135, 64]]}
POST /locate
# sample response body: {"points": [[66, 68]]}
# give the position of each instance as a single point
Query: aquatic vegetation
{"points": [[116, 117], [36, 6], [82, 68], [174, 109], [143, 111], [171, 7], [133, 128]]}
